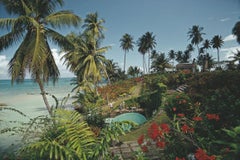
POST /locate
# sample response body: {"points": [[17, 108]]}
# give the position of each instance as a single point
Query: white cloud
{"points": [[225, 19], [230, 37], [228, 52], [3, 67]]}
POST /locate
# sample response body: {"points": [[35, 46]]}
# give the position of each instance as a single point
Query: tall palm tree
{"points": [[126, 45], [236, 31], [94, 25], [87, 59], [206, 46], [150, 44], [217, 42], [142, 50], [195, 34], [34, 24]]}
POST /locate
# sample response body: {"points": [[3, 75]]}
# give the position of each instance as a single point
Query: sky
{"points": [[168, 20]]}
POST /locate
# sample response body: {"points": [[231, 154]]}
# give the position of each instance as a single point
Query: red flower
{"points": [[202, 155], [213, 116], [197, 118], [144, 148], [174, 109], [186, 129], [165, 127], [140, 139], [181, 115], [161, 144], [153, 131], [177, 96]]}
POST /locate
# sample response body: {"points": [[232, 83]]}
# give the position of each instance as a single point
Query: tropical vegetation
{"points": [[200, 123]]}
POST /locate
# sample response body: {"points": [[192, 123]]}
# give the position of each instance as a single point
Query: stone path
{"points": [[127, 151]]}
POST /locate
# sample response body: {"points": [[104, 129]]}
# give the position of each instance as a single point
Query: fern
{"points": [[69, 137]]}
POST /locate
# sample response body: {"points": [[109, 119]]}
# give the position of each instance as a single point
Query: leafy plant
{"points": [[67, 138]]}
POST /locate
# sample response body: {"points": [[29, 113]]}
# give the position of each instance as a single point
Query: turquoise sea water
{"points": [[26, 98]]}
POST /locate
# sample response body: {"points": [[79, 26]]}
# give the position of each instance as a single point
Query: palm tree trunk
{"points": [[148, 62], [44, 96], [124, 65], [143, 64], [218, 57]]}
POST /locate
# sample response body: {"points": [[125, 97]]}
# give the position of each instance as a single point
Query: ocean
{"points": [[26, 98]]}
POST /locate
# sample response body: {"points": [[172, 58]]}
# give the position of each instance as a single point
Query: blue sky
{"points": [[169, 20]]}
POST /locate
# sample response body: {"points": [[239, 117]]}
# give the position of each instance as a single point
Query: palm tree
{"points": [[146, 44], [171, 56], [179, 55], [133, 71], [126, 45], [86, 60], [150, 44], [206, 46], [159, 63], [195, 34], [34, 24], [142, 50], [217, 43], [236, 31], [94, 25], [236, 58]]}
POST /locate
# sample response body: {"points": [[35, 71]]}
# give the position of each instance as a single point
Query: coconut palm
{"points": [[34, 24], [142, 50], [133, 71], [179, 55], [126, 45], [236, 58], [195, 35], [206, 46], [160, 63], [94, 25], [217, 42], [150, 44], [236, 31], [171, 56], [87, 59]]}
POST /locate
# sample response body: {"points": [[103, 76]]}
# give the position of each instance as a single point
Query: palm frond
{"points": [[59, 39], [63, 18]]}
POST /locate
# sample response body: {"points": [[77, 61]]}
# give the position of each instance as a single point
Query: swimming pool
{"points": [[134, 117]]}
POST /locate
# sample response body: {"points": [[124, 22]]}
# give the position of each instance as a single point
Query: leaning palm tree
{"points": [[217, 42], [236, 31], [195, 34], [33, 23], [126, 45]]}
